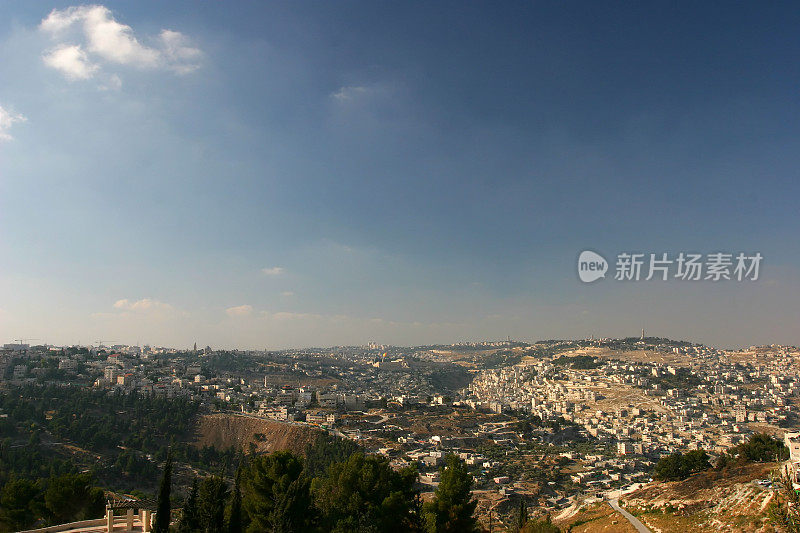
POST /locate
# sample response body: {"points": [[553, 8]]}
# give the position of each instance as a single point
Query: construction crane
{"points": [[22, 341]]}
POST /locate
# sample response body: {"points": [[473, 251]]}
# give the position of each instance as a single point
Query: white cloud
{"points": [[143, 305], [240, 310], [112, 83], [105, 38], [378, 93], [273, 271], [286, 315], [71, 61], [59, 20], [8, 119], [349, 93], [183, 57]]}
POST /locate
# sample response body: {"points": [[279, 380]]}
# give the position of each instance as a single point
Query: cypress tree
{"points": [[523, 513], [235, 519], [189, 522], [163, 508]]}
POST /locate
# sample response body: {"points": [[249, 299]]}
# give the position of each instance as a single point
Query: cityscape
{"points": [[292, 266], [562, 425]]}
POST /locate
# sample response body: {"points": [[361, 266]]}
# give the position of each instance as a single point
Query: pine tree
{"points": [[365, 493], [276, 494], [189, 522], [211, 497], [235, 519], [291, 513], [72, 497], [163, 508], [452, 506], [18, 502]]}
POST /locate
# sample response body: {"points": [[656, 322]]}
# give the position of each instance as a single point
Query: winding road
{"points": [[641, 528]]}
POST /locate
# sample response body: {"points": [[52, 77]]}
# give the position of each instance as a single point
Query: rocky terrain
{"points": [[726, 500], [596, 518], [226, 430]]}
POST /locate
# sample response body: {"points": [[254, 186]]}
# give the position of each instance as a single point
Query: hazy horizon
{"points": [[333, 346]]}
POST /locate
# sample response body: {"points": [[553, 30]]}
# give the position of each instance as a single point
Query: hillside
{"points": [[595, 518], [727, 500], [225, 430]]}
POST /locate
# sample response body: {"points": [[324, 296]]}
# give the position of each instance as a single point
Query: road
{"points": [[641, 528]]}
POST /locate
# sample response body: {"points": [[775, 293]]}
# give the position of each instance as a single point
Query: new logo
{"points": [[591, 266]]}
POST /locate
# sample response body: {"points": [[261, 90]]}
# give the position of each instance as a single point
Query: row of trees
{"points": [[362, 493], [130, 432], [98, 419], [30, 460], [56, 500], [678, 466], [758, 448]]}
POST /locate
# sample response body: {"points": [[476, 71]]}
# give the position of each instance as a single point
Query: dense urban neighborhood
{"points": [[558, 426]]}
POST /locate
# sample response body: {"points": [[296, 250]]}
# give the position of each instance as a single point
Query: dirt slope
{"points": [[710, 501], [597, 518], [225, 430]]}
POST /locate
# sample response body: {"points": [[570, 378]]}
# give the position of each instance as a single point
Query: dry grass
{"points": [[709, 501], [599, 518]]}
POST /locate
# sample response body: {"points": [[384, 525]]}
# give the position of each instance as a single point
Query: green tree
{"points": [[293, 511], [73, 497], [670, 468], [18, 503], [326, 450], [189, 522], [697, 461], [163, 508], [211, 499], [452, 507], [235, 516], [677, 466], [759, 448], [522, 515], [365, 494], [722, 462], [276, 493]]}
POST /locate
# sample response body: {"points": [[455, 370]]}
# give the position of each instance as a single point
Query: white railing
{"points": [[66, 527]]}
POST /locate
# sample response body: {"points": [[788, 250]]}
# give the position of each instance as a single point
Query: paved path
{"points": [[641, 528]]}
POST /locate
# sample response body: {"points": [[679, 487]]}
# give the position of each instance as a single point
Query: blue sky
{"points": [[293, 174]]}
